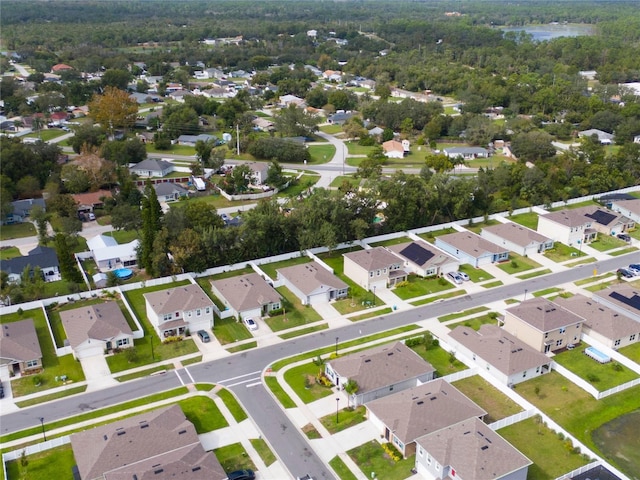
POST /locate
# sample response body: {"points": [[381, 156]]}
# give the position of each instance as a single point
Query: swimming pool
{"points": [[123, 273], [597, 355]]}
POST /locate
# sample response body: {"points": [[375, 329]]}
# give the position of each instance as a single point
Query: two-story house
{"points": [[374, 268]]}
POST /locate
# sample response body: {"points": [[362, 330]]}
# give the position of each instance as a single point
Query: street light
{"points": [[44, 436], [337, 338], [337, 408]]}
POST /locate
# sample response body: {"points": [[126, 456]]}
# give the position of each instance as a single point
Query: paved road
{"points": [[241, 372]]}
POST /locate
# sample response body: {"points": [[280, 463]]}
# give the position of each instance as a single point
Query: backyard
{"points": [[529, 220], [371, 458], [477, 227], [475, 323], [417, 286], [271, 268], [444, 362], [632, 352], [55, 463], [234, 457], [496, 404]]}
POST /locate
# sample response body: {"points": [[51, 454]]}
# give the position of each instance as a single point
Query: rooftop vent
{"points": [[181, 432], [160, 470], [367, 360], [121, 433], [433, 398], [195, 469], [105, 438], [420, 402], [389, 354], [484, 447]]}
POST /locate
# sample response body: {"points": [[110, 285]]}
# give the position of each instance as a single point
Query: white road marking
{"points": [[240, 376], [244, 381], [253, 384], [178, 375], [189, 373]]}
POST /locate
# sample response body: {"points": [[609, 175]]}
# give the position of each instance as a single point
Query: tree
{"points": [[438, 163], [28, 187], [126, 217], [151, 215], [293, 122], [239, 179], [188, 252], [180, 120], [532, 146], [115, 78], [124, 152], [68, 267], [274, 175], [113, 109], [203, 151], [76, 180], [86, 135]]}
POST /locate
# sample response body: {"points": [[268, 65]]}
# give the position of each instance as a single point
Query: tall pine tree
{"points": [[151, 214], [68, 267]]}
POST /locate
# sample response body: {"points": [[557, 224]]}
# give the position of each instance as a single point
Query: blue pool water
{"points": [[597, 355], [123, 273]]}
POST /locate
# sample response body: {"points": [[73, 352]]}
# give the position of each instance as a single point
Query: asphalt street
{"points": [[242, 372]]}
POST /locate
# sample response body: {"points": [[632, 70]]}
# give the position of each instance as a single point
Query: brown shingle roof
{"points": [[91, 198], [19, 341], [183, 299], [374, 258], [544, 315], [381, 366], [569, 218], [474, 451], [246, 292], [311, 278], [631, 205], [161, 439], [421, 410], [471, 243], [516, 233], [103, 321], [501, 349]]}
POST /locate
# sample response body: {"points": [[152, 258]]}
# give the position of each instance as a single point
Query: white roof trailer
{"points": [[199, 183]]}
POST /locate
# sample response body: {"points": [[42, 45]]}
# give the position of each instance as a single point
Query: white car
{"points": [[251, 323], [455, 278], [463, 276]]}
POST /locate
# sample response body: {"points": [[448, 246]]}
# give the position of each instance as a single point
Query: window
{"points": [[32, 363], [384, 270], [632, 337], [208, 310], [420, 451], [537, 369], [577, 325], [370, 274], [428, 459], [122, 342], [166, 317], [616, 343], [437, 467], [189, 314], [398, 443], [198, 312], [177, 314], [377, 273], [558, 343], [546, 335], [562, 330]]}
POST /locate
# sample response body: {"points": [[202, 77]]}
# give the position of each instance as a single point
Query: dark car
{"points": [[623, 272], [204, 336], [241, 475], [624, 236]]}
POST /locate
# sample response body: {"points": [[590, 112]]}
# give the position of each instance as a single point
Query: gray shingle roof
{"points": [[471, 243], [19, 341], [373, 258], [152, 165], [182, 299], [517, 234], [246, 292], [436, 258], [103, 321], [311, 278], [43, 257], [544, 315]]}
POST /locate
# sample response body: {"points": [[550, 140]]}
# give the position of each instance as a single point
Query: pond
{"points": [[550, 31], [619, 441]]}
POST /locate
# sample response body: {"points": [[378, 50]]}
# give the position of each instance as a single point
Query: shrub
{"points": [[617, 367], [392, 451], [414, 341], [276, 312], [132, 354], [593, 378], [404, 283], [318, 361], [322, 379], [442, 281], [514, 264], [173, 339], [37, 380]]}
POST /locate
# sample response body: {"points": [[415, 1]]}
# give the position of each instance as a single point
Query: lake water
{"points": [[551, 31]]}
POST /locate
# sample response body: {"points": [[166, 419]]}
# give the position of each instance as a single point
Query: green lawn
{"points": [[304, 331], [623, 251], [228, 330], [431, 236], [417, 286], [601, 376], [242, 347], [391, 241], [331, 129], [174, 150], [370, 457], [496, 404], [232, 404], [607, 242], [7, 253], [444, 296], [598, 278], [144, 373], [341, 469], [561, 253], [529, 220], [347, 418], [282, 396], [518, 264], [537, 273], [321, 153], [586, 203], [546, 291], [477, 227], [551, 455], [17, 230], [339, 180], [263, 450], [302, 184], [355, 149], [475, 274], [234, 457], [216, 201], [51, 397], [497, 283], [302, 379], [203, 413], [477, 322], [440, 359], [294, 315], [46, 134], [466, 313], [55, 463], [375, 313], [123, 236], [632, 352], [271, 268]]}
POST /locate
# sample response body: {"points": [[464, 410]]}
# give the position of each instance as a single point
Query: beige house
{"points": [[374, 268], [469, 450], [246, 296], [602, 323], [379, 371], [94, 329], [19, 347], [628, 208], [516, 238], [543, 325], [312, 283], [424, 259], [160, 444], [405, 416]]}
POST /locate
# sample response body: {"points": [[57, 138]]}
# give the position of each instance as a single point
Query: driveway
{"points": [[97, 372]]}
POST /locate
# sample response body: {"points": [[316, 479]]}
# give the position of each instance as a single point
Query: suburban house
{"points": [[604, 138], [259, 172], [606, 221], [622, 298], [466, 153], [628, 208], [191, 140], [405, 416], [332, 75], [109, 254], [395, 149], [287, 100], [94, 329], [262, 124], [502, 355], [424, 259], [379, 371], [543, 325], [374, 268], [87, 202], [339, 118], [516, 238], [178, 95], [152, 167], [636, 139], [160, 444], [312, 283], [472, 249], [247, 295], [173, 311], [607, 326], [19, 347], [469, 450], [169, 191], [43, 257], [21, 209]]}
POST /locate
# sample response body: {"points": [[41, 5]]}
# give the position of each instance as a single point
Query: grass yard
{"points": [[341, 469], [242, 347], [331, 129], [586, 281], [7, 253], [518, 264], [347, 418], [232, 404], [477, 322], [431, 236], [546, 291], [607, 242], [370, 457], [339, 180], [304, 331], [282, 396], [55, 463], [561, 253], [123, 236], [321, 153], [203, 413], [619, 439], [437, 298], [51, 397], [354, 148], [496, 403], [475, 274], [417, 286], [173, 150], [302, 184], [585, 261], [497, 283], [216, 201], [586, 203], [529, 220], [46, 134], [17, 230], [601, 375], [440, 359], [466, 313], [551, 455], [310, 431], [302, 379], [263, 450], [228, 330], [476, 227], [537, 273], [294, 315], [144, 373], [391, 241], [234, 457], [623, 251], [376, 313], [271, 268], [632, 352]]}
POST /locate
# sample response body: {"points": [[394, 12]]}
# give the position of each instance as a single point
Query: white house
{"points": [[467, 153], [312, 283], [395, 149], [108, 254], [472, 249], [424, 259], [152, 167], [516, 238], [603, 137], [628, 208], [169, 191]]}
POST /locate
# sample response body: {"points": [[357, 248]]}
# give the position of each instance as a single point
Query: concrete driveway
{"points": [[97, 372]]}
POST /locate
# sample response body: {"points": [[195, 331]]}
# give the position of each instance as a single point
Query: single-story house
{"points": [[312, 283], [508, 359], [94, 329], [286, 100], [636, 139], [609, 327], [262, 124], [374, 268], [109, 254], [516, 238], [247, 295], [379, 371], [191, 140], [169, 191], [623, 298], [19, 347], [472, 249], [467, 153], [173, 311], [543, 325], [603, 137], [43, 257], [21, 209], [89, 201], [141, 98], [339, 118], [395, 149], [161, 444], [469, 450], [332, 75], [424, 259], [376, 131], [179, 95], [628, 208], [405, 416], [152, 167]]}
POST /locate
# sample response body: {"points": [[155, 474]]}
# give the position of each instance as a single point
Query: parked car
{"points": [[251, 323], [204, 336], [455, 278], [246, 474], [624, 273], [91, 216], [634, 268], [624, 236], [463, 276]]}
